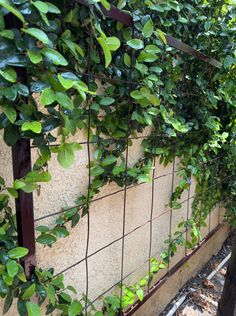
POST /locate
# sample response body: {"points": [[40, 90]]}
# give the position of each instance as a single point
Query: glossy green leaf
{"points": [[41, 6], [65, 155], [46, 239], [53, 55], [136, 43], [9, 74], [33, 126], [38, 34], [106, 51], [11, 8], [113, 43], [35, 56], [12, 268], [148, 28], [10, 112], [18, 252]]}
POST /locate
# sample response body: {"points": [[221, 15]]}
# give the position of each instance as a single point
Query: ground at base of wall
{"points": [[202, 295]]}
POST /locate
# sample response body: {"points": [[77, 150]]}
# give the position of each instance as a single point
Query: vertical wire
{"points": [[201, 206], [89, 184], [151, 224], [124, 216], [188, 209], [171, 211]]}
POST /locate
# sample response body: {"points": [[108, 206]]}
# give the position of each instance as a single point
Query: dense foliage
{"points": [[187, 108]]}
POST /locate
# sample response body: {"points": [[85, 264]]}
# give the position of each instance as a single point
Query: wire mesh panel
{"points": [[117, 231]]}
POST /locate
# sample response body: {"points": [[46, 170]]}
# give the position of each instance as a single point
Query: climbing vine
{"points": [[90, 73]]}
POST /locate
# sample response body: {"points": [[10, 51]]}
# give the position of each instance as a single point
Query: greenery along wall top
{"points": [[189, 106]]}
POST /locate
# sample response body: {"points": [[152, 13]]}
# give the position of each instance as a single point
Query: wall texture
{"points": [[106, 223]]}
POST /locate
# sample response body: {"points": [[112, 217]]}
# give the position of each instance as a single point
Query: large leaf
{"points": [[9, 74], [65, 155], [12, 268], [75, 308], [29, 292]]}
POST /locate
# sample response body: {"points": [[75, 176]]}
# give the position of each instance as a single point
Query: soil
{"points": [[202, 295]]}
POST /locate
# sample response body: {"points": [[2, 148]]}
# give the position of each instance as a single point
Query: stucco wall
{"points": [[106, 222]]}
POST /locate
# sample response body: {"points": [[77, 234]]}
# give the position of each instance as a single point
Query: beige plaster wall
{"points": [[106, 222]]}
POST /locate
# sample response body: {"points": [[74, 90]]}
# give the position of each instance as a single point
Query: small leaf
{"points": [[38, 34], [33, 309], [54, 56], [29, 292], [162, 36], [41, 6], [65, 155], [109, 160], [51, 294], [135, 43], [34, 56], [96, 171], [10, 112], [9, 74], [106, 51], [75, 308], [11, 8], [106, 4], [106, 101], [18, 252], [46, 239], [139, 293], [148, 28], [64, 100], [113, 43], [47, 97], [12, 268], [33, 126]]}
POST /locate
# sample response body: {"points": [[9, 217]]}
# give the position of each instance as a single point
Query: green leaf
{"points": [[135, 43], [127, 60], [106, 4], [52, 8], [42, 229], [33, 126], [18, 252], [29, 292], [33, 309], [75, 308], [38, 34], [13, 192], [113, 43], [51, 294], [37, 176], [34, 56], [9, 74], [54, 56], [109, 160], [139, 293], [66, 83], [64, 100], [162, 36], [47, 97], [11, 8], [10, 112], [106, 101], [65, 155], [12, 268], [106, 51], [7, 34], [46, 239], [148, 28], [41, 6], [97, 171]]}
